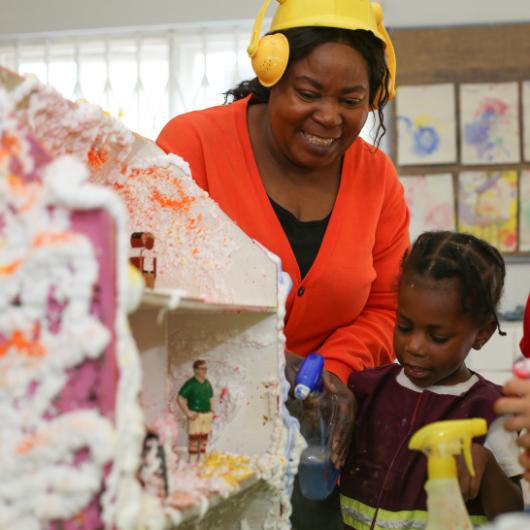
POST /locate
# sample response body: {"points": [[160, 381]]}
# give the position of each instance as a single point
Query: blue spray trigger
{"points": [[309, 376]]}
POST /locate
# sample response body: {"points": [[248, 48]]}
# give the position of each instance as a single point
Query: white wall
{"points": [[21, 16], [28, 16]]}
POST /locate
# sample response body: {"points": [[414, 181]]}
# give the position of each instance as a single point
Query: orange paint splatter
{"points": [[136, 172], [28, 444], [10, 268], [15, 183], [183, 203], [31, 348], [97, 157], [43, 239], [79, 519], [11, 142]]}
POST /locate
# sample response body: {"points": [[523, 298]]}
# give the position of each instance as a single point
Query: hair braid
{"points": [[479, 266]]}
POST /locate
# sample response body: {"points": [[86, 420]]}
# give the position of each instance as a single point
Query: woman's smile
{"points": [[319, 141]]}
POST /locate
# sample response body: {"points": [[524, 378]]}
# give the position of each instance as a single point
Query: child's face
{"points": [[432, 336]]}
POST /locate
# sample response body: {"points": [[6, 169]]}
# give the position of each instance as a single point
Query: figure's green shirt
{"points": [[197, 394]]}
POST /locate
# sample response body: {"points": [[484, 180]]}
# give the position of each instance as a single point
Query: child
{"points": [[447, 297]]}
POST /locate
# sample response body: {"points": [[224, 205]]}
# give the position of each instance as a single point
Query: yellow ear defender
{"points": [[270, 54]]}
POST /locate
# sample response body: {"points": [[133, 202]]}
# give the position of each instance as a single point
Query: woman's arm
{"points": [[367, 342]]}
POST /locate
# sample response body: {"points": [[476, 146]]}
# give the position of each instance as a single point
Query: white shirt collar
{"points": [[452, 390]]}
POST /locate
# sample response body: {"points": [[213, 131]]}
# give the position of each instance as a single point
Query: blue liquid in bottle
{"points": [[316, 473]]}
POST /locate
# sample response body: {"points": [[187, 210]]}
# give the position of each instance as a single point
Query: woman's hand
{"points": [[470, 486], [292, 365], [345, 408], [345, 416]]}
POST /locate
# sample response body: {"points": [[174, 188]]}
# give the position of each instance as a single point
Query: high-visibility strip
{"points": [[360, 516]]}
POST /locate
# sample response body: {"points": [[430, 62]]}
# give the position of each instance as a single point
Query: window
{"points": [[143, 76]]}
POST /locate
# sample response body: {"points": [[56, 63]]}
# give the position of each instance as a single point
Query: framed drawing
{"points": [[426, 132], [525, 92], [524, 211], [430, 199], [487, 207], [489, 123]]}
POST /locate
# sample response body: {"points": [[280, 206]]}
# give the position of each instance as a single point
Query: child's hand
{"points": [[470, 486]]}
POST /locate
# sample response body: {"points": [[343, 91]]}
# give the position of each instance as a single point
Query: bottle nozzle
{"points": [[309, 376], [301, 392]]}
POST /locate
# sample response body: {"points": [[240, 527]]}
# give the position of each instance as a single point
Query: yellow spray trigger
{"points": [[442, 441], [466, 447]]}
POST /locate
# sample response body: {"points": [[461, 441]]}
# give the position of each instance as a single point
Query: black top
{"points": [[305, 237]]}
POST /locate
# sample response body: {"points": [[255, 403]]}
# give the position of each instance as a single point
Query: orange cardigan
{"points": [[345, 306]]}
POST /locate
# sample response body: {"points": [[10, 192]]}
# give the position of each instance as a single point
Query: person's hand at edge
{"points": [[516, 405]]}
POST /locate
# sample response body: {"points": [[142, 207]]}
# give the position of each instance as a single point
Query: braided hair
{"points": [[479, 267]]}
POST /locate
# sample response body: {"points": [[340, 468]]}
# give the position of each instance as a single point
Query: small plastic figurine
{"points": [[195, 399], [145, 264], [153, 471]]}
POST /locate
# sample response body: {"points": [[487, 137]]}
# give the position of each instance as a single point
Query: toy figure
{"points": [[144, 241], [153, 471], [195, 399]]}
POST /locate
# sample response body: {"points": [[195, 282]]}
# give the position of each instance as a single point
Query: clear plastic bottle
{"points": [[315, 409]]}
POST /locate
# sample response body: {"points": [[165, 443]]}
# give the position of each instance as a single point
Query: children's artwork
{"points": [[489, 123], [525, 90], [524, 213], [426, 124], [487, 207], [430, 199]]}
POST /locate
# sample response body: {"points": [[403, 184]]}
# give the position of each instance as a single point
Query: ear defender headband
{"points": [[270, 54]]}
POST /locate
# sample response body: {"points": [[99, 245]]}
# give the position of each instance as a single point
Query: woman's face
{"points": [[320, 106]]}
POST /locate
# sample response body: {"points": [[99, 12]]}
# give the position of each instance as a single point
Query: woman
{"points": [[286, 163]]}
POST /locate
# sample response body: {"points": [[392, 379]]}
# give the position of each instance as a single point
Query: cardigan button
{"points": [[300, 291]]}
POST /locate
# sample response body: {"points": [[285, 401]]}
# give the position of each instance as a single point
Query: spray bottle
{"points": [[315, 409], [441, 442]]}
